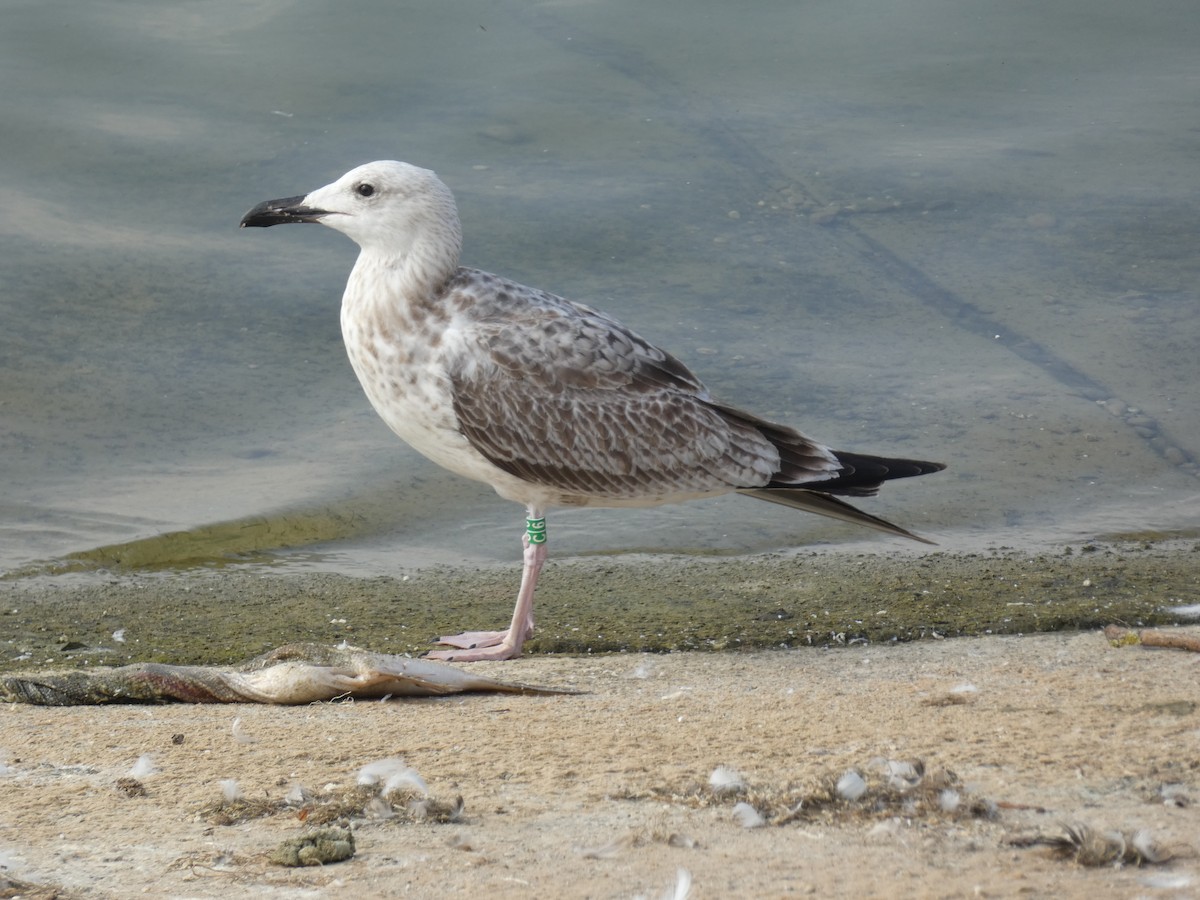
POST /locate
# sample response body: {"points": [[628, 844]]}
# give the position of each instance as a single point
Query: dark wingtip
{"points": [[862, 475], [869, 472]]}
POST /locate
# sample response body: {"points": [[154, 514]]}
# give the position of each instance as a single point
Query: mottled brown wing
{"points": [[560, 395]]}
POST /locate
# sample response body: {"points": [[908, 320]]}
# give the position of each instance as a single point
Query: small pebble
{"points": [[851, 785], [949, 800], [144, 767], [748, 816], [724, 780]]}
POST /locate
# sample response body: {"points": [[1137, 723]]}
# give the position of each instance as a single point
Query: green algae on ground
{"points": [[315, 848], [605, 605]]}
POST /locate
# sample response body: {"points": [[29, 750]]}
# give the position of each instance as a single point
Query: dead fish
{"points": [[291, 674]]}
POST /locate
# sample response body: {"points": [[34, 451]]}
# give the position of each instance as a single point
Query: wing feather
{"points": [[564, 396]]}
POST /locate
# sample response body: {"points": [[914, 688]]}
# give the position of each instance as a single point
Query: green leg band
{"points": [[536, 529]]}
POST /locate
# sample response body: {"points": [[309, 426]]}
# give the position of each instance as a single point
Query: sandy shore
{"points": [[606, 793]]}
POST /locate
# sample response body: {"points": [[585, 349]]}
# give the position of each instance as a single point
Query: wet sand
{"points": [[605, 793]]}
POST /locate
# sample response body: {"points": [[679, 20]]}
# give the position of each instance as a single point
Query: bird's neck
{"points": [[408, 281]]}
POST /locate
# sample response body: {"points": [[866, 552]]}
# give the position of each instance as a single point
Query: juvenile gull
{"points": [[550, 402]]}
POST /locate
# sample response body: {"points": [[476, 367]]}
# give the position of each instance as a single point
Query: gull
{"points": [[550, 402]]}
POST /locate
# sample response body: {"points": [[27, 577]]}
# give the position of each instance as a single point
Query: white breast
{"points": [[406, 380]]}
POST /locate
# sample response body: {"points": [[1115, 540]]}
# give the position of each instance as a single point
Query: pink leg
{"points": [[480, 645]]}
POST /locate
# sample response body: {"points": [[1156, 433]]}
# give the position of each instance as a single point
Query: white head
{"points": [[399, 214]]}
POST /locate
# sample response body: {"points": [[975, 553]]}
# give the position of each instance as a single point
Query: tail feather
{"points": [[828, 505], [802, 479]]}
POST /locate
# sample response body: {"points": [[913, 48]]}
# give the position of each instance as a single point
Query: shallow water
{"points": [[962, 231]]}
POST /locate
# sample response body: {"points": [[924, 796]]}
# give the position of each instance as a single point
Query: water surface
{"points": [[962, 231]]}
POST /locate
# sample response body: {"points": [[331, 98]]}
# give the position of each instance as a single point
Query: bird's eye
{"points": [[365, 190]]}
